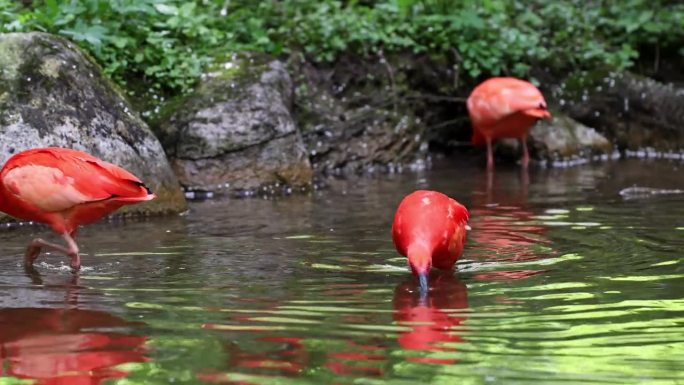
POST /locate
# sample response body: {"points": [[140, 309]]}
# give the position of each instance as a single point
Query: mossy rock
{"points": [[52, 94], [235, 131]]}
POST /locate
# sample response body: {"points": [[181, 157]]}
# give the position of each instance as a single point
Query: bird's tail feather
{"points": [[146, 198]]}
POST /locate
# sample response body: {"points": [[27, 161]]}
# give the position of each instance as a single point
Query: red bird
{"points": [[430, 230], [65, 189], [505, 108]]}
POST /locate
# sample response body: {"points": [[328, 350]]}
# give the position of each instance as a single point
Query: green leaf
{"points": [[166, 9], [93, 34]]}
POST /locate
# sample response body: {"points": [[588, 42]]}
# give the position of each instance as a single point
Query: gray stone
{"points": [[52, 94], [561, 138], [235, 130], [632, 111], [354, 118]]}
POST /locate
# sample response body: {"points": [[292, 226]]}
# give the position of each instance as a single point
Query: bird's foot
{"points": [[75, 262], [37, 244]]}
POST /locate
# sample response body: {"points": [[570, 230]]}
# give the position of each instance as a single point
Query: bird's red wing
{"points": [[55, 179], [119, 182], [460, 213], [497, 98], [526, 97], [102, 180]]}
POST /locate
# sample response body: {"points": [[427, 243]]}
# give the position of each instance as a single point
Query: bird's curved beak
{"points": [[423, 282]]}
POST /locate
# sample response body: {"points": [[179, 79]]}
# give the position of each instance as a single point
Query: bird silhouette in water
{"points": [[64, 189], [504, 107], [429, 229]]}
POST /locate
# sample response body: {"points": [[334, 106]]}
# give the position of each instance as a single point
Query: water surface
{"points": [[563, 281]]}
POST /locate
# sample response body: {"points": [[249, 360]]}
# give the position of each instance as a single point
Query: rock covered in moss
{"points": [[562, 137], [235, 131], [52, 94]]}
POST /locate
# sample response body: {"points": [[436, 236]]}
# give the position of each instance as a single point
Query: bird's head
{"points": [[540, 112]]}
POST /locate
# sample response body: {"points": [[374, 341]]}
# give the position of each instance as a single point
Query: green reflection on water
{"points": [[558, 285]]}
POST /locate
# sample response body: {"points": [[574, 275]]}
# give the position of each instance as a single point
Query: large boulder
{"points": [[235, 131], [52, 94], [354, 116], [632, 111]]}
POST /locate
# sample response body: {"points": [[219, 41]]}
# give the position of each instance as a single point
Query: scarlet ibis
{"points": [[64, 188], [504, 107], [429, 229]]}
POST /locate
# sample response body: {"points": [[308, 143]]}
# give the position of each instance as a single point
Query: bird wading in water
{"points": [[429, 229], [64, 189], [505, 108]]}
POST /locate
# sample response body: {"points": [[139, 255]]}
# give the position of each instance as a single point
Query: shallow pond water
{"points": [[563, 281]]}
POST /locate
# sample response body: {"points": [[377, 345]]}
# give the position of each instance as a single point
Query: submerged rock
{"points": [[632, 111], [561, 139], [51, 94], [636, 192], [235, 131], [354, 118]]}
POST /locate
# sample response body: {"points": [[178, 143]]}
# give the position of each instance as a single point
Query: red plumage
{"points": [[65, 188], [503, 107], [429, 228]]}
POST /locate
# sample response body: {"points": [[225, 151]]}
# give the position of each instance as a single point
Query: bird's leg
{"points": [[72, 250], [34, 247], [526, 154], [33, 250], [490, 155]]}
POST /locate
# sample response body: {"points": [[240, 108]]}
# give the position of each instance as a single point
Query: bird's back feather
{"points": [[430, 219], [47, 184], [498, 99]]}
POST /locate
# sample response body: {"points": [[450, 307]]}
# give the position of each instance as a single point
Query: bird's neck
{"points": [[419, 257]]}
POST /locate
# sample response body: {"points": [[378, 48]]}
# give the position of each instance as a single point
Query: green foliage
{"points": [[167, 44], [145, 39]]}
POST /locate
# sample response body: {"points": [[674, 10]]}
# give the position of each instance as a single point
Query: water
{"points": [[562, 282]]}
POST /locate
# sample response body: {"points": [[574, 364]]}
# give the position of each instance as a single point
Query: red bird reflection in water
{"points": [[504, 230], [51, 347], [289, 355], [429, 317], [359, 360]]}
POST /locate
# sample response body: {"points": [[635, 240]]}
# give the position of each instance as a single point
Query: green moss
{"points": [[579, 82], [228, 79], [10, 57], [50, 68]]}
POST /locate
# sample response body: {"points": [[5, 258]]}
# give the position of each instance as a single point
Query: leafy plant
{"points": [[165, 45]]}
